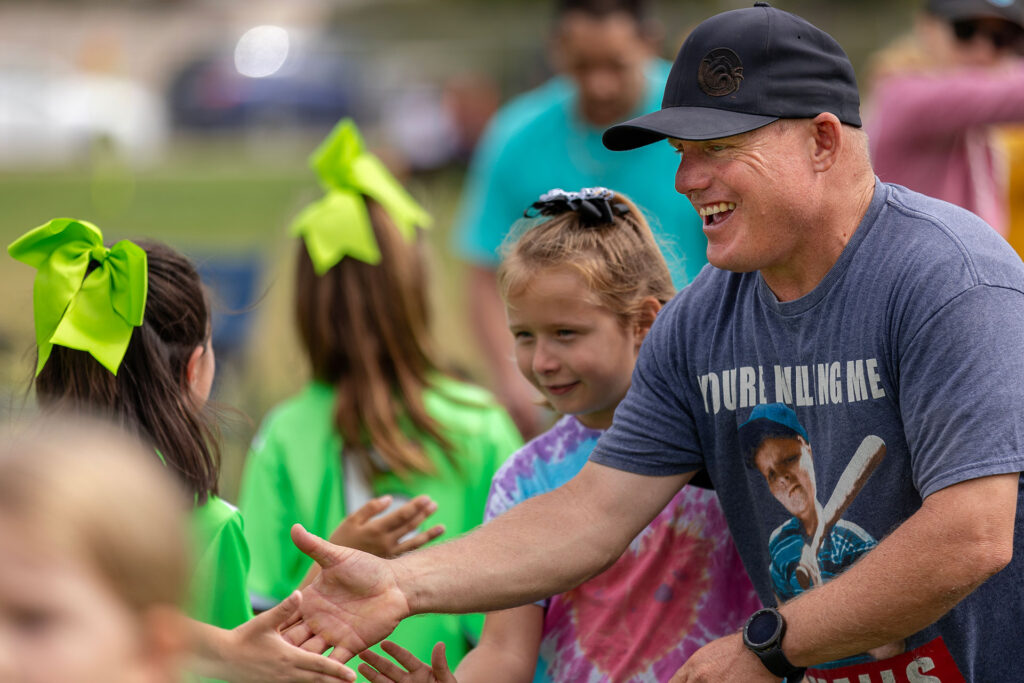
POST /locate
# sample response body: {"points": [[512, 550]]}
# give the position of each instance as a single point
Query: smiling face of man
{"points": [[751, 190]]}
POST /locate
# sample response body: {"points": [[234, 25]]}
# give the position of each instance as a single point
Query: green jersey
{"points": [[217, 592], [294, 473]]}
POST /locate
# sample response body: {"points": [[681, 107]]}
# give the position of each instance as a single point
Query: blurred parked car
{"points": [[314, 85]]}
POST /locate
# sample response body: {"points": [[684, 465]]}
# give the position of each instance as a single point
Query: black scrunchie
{"points": [[593, 204]]}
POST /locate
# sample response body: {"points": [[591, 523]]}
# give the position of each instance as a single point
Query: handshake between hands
{"points": [[354, 602], [350, 601]]}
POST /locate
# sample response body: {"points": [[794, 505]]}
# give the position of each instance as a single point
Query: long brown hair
{"points": [[150, 395], [365, 329], [619, 261]]}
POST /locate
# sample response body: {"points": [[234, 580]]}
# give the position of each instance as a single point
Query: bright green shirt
{"points": [[217, 592], [294, 474]]}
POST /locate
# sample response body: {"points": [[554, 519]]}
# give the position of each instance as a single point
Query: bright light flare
{"points": [[261, 51]]}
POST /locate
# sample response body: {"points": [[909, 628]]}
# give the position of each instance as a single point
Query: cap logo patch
{"points": [[720, 72]]}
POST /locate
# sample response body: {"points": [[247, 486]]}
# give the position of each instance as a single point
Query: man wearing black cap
{"points": [[879, 316]]}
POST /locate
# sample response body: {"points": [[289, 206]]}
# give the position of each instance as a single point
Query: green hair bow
{"points": [[94, 313], [339, 224]]}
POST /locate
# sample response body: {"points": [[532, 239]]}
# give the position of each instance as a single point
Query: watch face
{"points": [[763, 628]]}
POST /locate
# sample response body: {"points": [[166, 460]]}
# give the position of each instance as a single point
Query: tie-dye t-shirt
{"points": [[679, 584]]}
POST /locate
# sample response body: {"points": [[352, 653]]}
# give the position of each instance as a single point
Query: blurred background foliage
{"points": [[190, 121]]}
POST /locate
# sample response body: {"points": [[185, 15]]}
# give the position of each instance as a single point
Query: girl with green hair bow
{"points": [[379, 420], [124, 332]]}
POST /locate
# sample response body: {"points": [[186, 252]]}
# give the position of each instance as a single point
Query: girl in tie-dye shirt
{"points": [[582, 289]]}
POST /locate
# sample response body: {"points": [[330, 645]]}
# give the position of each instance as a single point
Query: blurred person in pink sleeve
{"points": [[936, 95]]}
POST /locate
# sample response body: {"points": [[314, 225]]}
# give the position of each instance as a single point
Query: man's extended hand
{"points": [[725, 660], [352, 604]]}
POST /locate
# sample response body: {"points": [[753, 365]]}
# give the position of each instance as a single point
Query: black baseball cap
{"points": [[743, 69], [961, 10]]}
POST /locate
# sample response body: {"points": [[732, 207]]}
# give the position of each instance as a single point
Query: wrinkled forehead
{"points": [[774, 130]]}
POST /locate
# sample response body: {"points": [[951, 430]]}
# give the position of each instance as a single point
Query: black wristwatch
{"points": [[762, 635]]}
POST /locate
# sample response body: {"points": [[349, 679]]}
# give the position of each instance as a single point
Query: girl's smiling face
{"points": [[577, 353]]}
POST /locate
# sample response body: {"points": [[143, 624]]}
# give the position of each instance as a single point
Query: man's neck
{"points": [[833, 229]]}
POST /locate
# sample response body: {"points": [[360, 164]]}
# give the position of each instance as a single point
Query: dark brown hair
{"points": [[365, 329], [619, 261], [150, 395]]}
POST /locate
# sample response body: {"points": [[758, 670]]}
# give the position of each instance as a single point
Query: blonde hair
{"points": [[100, 496], [618, 261]]}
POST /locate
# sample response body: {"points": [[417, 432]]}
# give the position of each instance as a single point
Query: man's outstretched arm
{"points": [[541, 547]]}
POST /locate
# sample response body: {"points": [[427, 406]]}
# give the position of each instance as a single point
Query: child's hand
{"points": [[368, 530], [256, 652], [380, 669]]}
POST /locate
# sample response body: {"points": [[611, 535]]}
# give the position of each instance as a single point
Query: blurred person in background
{"points": [[938, 92], [89, 593], [605, 54], [431, 127], [470, 100]]}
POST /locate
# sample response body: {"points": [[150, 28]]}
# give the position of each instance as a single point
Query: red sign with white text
{"points": [[930, 663]]}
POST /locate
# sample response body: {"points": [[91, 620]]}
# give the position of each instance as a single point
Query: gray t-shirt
{"points": [[903, 369]]}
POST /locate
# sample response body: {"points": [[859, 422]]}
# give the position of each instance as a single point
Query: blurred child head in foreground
{"points": [[94, 555]]}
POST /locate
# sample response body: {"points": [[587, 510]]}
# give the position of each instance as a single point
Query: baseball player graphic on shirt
{"points": [[815, 544]]}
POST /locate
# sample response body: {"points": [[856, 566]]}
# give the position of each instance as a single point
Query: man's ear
{"points": [[192, 367], [646, 313], [826, 141]]}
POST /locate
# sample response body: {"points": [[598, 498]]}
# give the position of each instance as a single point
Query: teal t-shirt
{"points": [[538, 142], [294, 473]]}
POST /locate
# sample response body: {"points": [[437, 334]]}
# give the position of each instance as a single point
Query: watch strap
{"points": [[775, 661]]}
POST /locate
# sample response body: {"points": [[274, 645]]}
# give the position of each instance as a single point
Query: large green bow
{"points": [[94, 313], [339, 224]]}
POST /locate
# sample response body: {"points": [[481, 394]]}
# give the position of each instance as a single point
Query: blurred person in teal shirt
{"points": [[605, 55]]}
